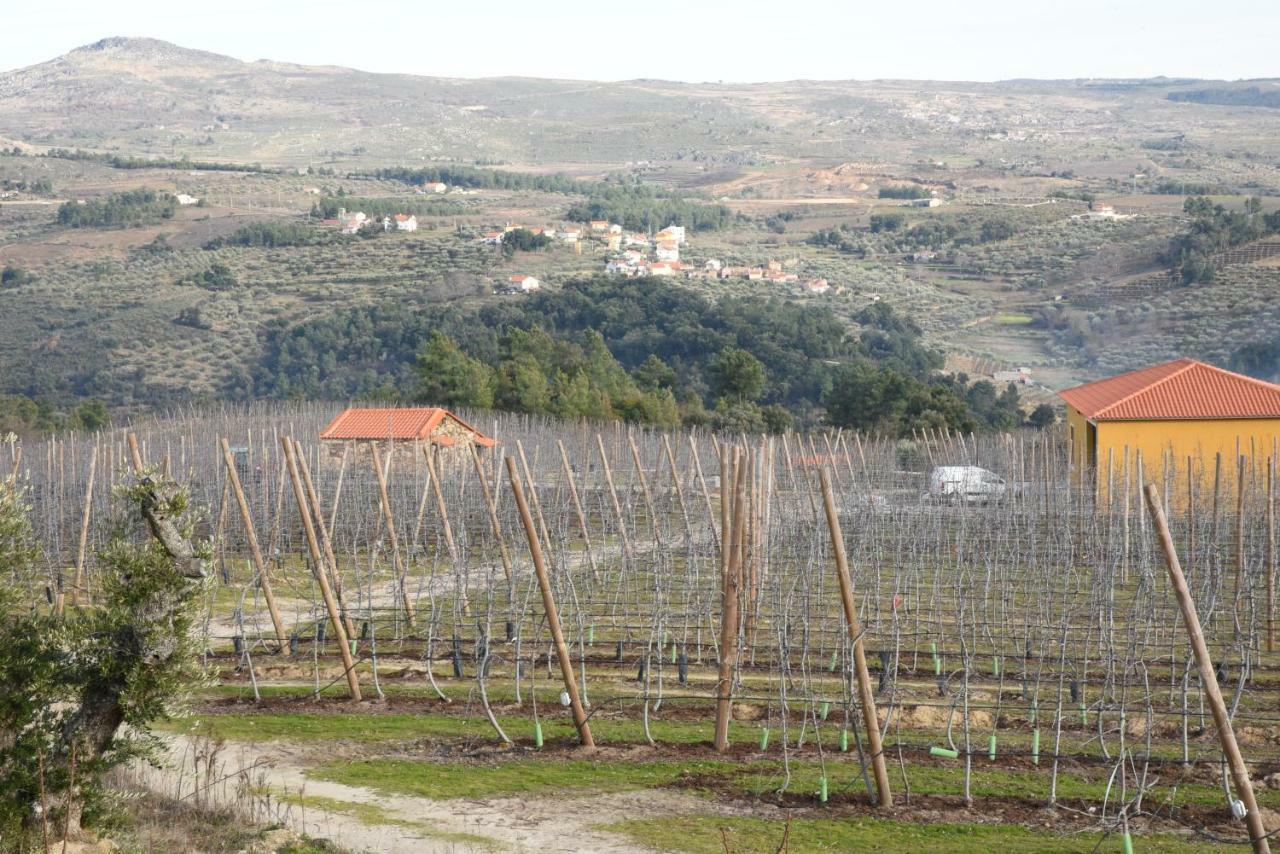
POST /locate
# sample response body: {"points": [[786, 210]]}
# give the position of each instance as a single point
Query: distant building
{"points": [[614, 228], [571, 235], [664, 268], [613, 242], [816, 286], [429, 427], [1172, 414], [667, 250], [435, 187], [185, 200], [672, 232], [712, 265], [350, 222], [599, 225], [406, 222], [491, 238], [524, 283]]}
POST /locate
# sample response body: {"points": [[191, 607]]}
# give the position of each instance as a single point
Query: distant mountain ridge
{"points": [[147, 97]]}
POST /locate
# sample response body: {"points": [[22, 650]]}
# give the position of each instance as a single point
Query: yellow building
{"points": [[1171, 419]]}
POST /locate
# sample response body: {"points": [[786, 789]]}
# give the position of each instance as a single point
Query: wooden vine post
{"points": [[1271, 553], [866, 694], [317, 569], [391, 532], [260, 565], [731, 583], [613, 499], [1208, 677], [493, 511], [322, 531], [577, 510], [549, 604], [83, 545]]}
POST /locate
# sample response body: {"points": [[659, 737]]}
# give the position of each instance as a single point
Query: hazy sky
{"points": [[746, 40]]}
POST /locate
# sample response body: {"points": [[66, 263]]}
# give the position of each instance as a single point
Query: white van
{"points": [[965, 483]]}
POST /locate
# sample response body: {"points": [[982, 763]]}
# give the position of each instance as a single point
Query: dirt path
{"points": [[399, 824]]}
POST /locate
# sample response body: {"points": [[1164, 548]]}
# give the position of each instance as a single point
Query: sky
{"points": [[691, 40]]}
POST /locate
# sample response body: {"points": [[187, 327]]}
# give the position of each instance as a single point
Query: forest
{"points": [[641, 350], [328, 207], [272, 235], [119, 210], [483, 179], [639, 207], [1215, 229]]}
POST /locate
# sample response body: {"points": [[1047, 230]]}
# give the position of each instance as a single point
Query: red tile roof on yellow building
{"points": [[1181, 389], [396, 424]]}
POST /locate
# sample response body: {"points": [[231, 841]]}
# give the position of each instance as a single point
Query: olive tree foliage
{"points": [[82, 690]]}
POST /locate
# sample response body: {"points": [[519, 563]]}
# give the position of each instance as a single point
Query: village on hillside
{"points": [[630, 254]]}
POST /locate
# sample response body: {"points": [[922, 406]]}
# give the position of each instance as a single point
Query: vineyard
{"points": [[781, 636]]}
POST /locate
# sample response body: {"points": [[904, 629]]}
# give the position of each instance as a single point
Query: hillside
{"points": [[1002, 269], [144, 96]]}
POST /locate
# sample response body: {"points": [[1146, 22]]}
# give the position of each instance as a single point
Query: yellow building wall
{"points": [[1077, 444], [1194, 443]]}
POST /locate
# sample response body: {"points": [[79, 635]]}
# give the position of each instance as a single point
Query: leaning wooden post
{"points": [[317, 569], [644, 489], [83, 547], [255, 552], [577, 510], [493, 511], [613, 499], [390, 521], [134, 454], [706, 494], [732, 581], [1208, 677], [441, 507], [326, 545], [337, 490], [549, 604], [865, 693], [679, 490]]}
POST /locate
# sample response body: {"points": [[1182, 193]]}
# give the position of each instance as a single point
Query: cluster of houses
{"points": [[352, 221], [633, 262], [638, 255]]}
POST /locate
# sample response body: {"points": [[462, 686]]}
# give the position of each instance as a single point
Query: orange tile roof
{"points": [[395, 423], [1181, 389]]}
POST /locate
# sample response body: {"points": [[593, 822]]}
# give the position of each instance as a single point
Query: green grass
{"points": [[714, 834], [373, 814], [752, 779], [364, 813], [441, 781], [300, 726], [1014, 319]]}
